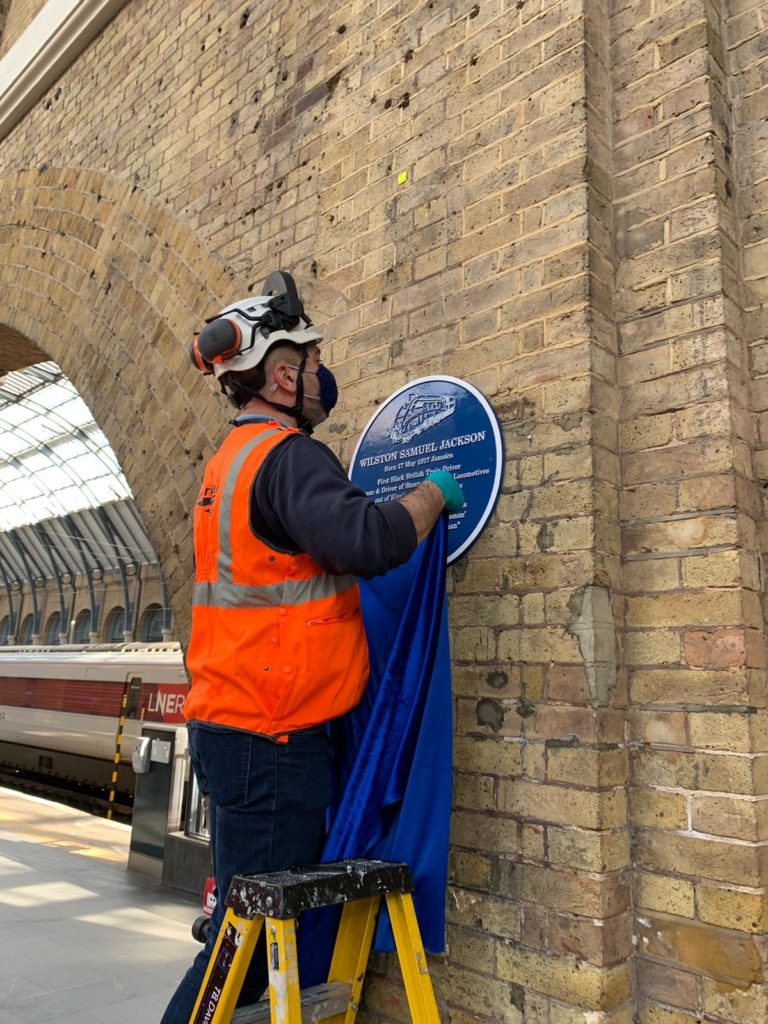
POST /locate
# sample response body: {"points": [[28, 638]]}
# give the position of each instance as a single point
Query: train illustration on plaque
{"points": [[434, 423], [420, 413]]}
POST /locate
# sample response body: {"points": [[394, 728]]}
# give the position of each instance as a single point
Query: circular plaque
{"points": [[434, 423]]}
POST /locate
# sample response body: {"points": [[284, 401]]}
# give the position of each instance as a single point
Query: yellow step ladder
{"points": [[274, 901]]}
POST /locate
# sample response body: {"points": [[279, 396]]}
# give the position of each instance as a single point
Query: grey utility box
{"points": [[160, 763]]}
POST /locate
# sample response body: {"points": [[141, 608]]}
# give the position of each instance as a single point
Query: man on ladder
{"points": [[277, 646]]}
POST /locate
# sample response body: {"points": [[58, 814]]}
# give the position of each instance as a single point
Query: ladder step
{"points": [[284, 894], [317, 1003]]}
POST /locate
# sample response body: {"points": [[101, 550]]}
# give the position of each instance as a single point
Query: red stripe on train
{"points": [[159, 702]]}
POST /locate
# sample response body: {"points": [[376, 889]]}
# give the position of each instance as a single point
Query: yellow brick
{"points": [[474, 643], [533, 842], [533, 609], [730, 816], [487, 754], [471, 680], [650, 1014], [590, 987], [646, 432], [587, 850], [720, 731], [666, 983], [713, 951], [473, 791], [508, 646], [567, 396], [548, 644], [659, 892], [471, 870], [658, 809], [535, 761], [735, 1002], [492, 914], [564, 805], [658, 727], [499, 610], [560, 1014], [562, 498], [713, 859], [708, 608], [568, 891], [561, 535], [707, 492], [732, 908], [533, 682], [468, 948], [680, 535], [718, 569], [569, 465], [650, 647], [652, 574], [691, 686], [585, 766], [531, 471], [648, 500], [481, 832], [483, 993]]}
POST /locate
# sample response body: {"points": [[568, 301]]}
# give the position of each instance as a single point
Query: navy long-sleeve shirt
{"points": [[303, 501]]}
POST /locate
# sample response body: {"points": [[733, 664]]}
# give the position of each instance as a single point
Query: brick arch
{"points": [[110, 286]]}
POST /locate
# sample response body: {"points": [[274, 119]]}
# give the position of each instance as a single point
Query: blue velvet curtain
{"points": [[392, 794]]}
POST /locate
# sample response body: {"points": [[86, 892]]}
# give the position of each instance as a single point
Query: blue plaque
{"points": [[434, 423]]}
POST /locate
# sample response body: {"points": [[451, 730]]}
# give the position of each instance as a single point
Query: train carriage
{"points": [[60, 708]]}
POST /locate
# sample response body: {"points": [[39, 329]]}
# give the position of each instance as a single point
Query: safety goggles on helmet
{"points": [[239, 337]]}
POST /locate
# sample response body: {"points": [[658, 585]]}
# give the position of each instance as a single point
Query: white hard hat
{"points": [[239, 337]]}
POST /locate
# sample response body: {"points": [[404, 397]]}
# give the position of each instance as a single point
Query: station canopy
{"points": [[54, 460], [64, 502]]}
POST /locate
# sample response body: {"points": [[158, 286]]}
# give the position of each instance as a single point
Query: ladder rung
{"points": [[317, 1003]]}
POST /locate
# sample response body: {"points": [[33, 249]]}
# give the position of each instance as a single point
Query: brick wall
{"points": [[559, 202], [691, 511], [15, 15]]}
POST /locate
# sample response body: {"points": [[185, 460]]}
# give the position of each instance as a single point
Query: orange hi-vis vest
{"points": [[277, 644]]}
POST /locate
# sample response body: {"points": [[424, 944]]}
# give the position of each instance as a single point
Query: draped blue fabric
{"points": [[392, 793]]}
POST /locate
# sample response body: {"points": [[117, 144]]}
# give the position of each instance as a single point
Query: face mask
{"points": [[329, 391]]}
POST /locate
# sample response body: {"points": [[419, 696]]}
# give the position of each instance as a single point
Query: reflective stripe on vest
{"points": [[224, 593], [292, 592], [224, 561]]}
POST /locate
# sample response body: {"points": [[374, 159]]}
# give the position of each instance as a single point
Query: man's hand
{"points": [[425, 502], [449, 488]]}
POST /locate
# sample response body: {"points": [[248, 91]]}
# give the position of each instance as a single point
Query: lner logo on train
{"points": [[164, 703]]}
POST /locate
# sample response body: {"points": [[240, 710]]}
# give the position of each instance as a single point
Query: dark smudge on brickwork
{"points": [[490, 713]]}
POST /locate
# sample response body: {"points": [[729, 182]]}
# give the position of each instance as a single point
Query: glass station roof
{"points": [[54, 460]]}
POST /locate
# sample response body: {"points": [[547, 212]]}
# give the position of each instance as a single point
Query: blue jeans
{"points": [[267, 812]]}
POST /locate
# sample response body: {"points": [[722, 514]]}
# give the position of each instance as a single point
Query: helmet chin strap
{"points": [[295, 411]]}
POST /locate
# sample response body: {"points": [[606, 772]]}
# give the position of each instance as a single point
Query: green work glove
{"points": [[449, 488]]}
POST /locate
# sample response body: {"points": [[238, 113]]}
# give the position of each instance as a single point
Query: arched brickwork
{"points": [[99, 279]]}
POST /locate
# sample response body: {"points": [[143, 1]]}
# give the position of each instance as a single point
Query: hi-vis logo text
{"points": [[206, 498]]}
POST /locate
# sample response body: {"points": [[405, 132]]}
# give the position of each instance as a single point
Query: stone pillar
{"points": [[494, 254], [694, 646]]}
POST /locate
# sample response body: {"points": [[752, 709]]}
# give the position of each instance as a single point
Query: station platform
{"points": [[81, 938]]}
